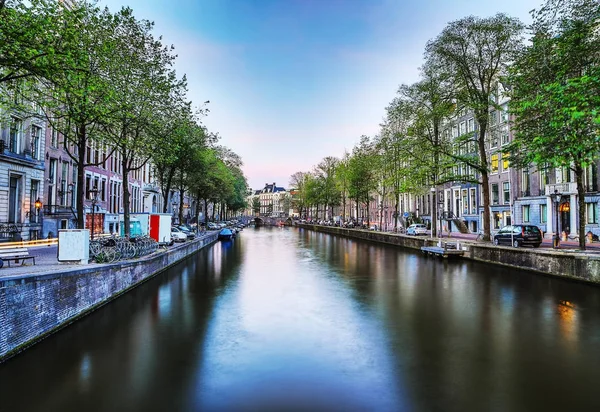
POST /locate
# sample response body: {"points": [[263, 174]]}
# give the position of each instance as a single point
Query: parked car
{"points": [[519, 235], [177, 235], [189, 233], [211, 226], [416, 229]]}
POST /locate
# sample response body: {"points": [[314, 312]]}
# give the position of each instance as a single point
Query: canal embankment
{"points": [[567, 264], [35, 305]]}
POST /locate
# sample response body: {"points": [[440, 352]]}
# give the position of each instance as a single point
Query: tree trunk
{"points": [[485, 180], [81, 140], [205, 211], [433, 215], [167, 188], [579, 171], [126, 194]]}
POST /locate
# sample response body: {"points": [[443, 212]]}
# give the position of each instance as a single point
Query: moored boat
{"points": [[225, 234]]}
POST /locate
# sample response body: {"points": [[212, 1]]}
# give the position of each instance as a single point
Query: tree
{"points": [[428, 103], [325, 173], [555, 92], [141, 78], [256, 205], [475, 52], [75, 99], [169, 125], [361, 174], [341, 179], [31, 36], [298, 182]]}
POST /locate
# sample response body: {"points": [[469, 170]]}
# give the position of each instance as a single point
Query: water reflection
{"points": [[283, 319]]}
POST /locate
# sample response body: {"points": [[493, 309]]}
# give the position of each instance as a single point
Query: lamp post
{"points": [[441, 214], [556, 200], [94, 198], [174, 205]]}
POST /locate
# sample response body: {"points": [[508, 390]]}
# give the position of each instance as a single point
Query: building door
{"points": [[565, 217], [14, 199], [457, 208]]}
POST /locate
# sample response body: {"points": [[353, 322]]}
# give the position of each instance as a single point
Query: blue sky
{"points": [[293, 81]]}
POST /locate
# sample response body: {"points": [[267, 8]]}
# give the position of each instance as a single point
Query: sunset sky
{"points": [[293, 81]]}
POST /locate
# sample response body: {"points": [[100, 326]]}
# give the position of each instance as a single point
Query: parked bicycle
{"points": [[111, 249]]}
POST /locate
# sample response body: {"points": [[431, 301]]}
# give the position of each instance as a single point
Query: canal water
{"points": [[289, 319]]}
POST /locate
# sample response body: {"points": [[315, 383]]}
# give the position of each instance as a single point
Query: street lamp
{"points": [[174, 205], [94, 198], [556, 200]]}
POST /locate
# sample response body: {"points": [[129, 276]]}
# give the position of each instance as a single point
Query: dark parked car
{"points": [[519, 235]]}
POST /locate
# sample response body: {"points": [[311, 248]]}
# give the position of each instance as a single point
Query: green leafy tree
{"points": [[555, 94], [325, 173], [256, 205], [31, 37], [141, 77], [475, 52], [76, 98], [362, 178], [299, 201]]}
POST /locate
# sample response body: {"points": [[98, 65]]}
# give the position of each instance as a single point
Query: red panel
{"points": [[154, 226]]}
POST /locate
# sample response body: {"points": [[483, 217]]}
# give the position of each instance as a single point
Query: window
{"points": [[495, 194], [88, 185], [34, 195], [495, 163], [493, 139], [591, 178], [471, 125], [506, 191], [544, 178], [14, 199], [14, 135], [505, 137], [473, 201], [493, 118], [543, 214], [505, 162], [463, 128], [74, 188], [36, 138], [454, 131], [103, 190], [591, 212], [53, 138], [465, 202], [504, 113], [525, 210], [64, 175], [52, 171], [525, 183]]}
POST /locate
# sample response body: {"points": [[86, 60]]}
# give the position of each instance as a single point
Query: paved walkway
{"points": [[567, 245], [46, 261]]}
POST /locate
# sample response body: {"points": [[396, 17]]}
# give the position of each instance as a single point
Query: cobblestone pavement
{"points": [[46, 261]]}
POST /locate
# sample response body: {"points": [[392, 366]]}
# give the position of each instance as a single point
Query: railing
{"points": [[54, 210], [569, 188]]}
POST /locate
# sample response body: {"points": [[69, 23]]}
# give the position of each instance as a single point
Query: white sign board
{"points": [[74, 245]]}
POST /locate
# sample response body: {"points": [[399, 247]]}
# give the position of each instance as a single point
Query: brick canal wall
{"points": [[564, 264], [34, 306]]}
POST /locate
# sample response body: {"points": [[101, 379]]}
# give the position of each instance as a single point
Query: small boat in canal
{"points": [[225, 234]]}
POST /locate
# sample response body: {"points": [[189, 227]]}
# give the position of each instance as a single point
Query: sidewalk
{"points": [[567, 245], [46, 261]]}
